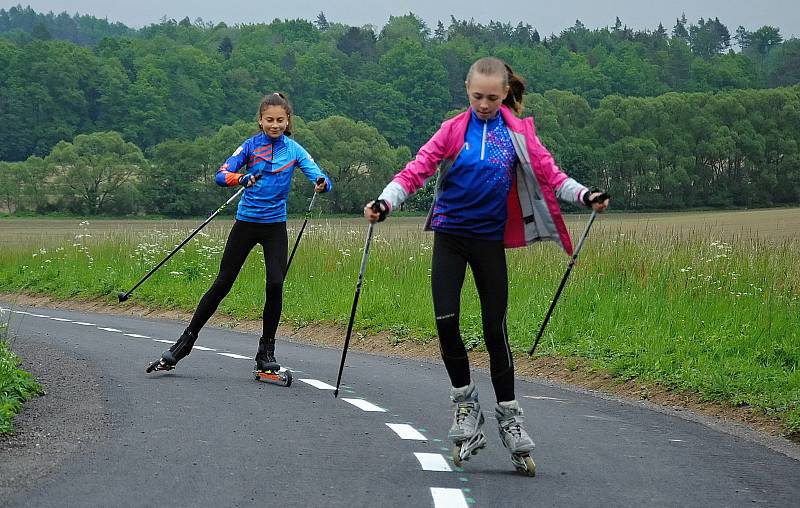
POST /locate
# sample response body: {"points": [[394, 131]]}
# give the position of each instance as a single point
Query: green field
{"points": [[706, 302]]}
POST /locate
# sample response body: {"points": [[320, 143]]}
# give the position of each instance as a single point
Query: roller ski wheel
{"points": [[524, 464], [157, 365], [273, 374], [466, 449]]}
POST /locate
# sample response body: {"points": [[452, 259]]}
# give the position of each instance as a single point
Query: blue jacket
{"points": [[275, 160]]}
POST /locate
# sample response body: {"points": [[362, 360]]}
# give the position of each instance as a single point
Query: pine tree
{"points": [[322, 21]]}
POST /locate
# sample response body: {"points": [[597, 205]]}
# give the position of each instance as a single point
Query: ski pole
{"points": [[599, 199], [303, 227], [355, 304], [124, 296]]}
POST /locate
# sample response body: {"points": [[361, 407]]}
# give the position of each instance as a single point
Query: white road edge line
{"points": [[137, 336], [365, 405], [164, 341], [318, 384], [201, 348], [432, 462], [406, 431], [82, 323], [448, 498], [61, 319], [109, 329]]}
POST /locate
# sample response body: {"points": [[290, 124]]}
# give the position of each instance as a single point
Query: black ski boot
{"points": [[267, 369], [174, 354]]}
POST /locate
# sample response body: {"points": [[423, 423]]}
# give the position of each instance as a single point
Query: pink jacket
{"points": [[533, 211]]}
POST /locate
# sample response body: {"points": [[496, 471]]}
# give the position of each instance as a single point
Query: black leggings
{"points": [[487, 259], [241, 240]]}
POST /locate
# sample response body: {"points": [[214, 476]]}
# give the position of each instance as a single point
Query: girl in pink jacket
{"points": [[497, 187]]}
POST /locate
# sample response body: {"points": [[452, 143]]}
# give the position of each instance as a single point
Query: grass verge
{"points": [[16, 385]]}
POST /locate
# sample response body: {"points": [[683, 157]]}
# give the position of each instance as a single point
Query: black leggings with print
{"points": [[487, 259]]}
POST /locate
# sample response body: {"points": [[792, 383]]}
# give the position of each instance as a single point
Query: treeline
{"points": [[23, 23], [183, 79], [675, 151]]}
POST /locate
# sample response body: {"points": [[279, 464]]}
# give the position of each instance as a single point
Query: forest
{"points": [[97, 118]]}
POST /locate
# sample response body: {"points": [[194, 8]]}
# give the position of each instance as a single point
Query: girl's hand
{"points": [[320, 185], [596, 199], [247, 180], [375, 211], [598, 206]]}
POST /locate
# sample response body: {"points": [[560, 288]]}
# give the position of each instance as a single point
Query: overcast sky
{"points": [[547, 16]]}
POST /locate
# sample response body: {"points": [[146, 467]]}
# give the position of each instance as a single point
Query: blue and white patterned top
{"points": [[473, 195]]}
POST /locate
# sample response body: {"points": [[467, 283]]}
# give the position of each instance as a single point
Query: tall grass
{"points": [[689, 311]]}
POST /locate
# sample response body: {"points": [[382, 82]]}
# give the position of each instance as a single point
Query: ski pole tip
{"points": [[122, 297]]}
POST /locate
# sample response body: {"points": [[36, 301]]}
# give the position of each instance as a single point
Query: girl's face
{"points": [[486, 93], [273, 121]]}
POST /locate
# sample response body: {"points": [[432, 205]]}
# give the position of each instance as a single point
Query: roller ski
{"points": [[267, 369], [467, 429], [174, 354], [509, 423]]}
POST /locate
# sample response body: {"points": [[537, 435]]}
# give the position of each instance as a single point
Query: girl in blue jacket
{"points": [[267, 161]]}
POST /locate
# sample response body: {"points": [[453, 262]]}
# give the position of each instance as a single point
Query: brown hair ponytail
{"points": [[516, 89]]}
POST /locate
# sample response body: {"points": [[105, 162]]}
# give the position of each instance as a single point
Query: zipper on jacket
{"points": [[483, 141]]}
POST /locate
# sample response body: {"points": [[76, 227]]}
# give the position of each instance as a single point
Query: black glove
{"points": [[598, 199], [380, 207]]}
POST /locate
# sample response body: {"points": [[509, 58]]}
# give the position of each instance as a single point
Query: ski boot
{"points": [[267, 369], [174, 354], [467, 429], [515, 439]]}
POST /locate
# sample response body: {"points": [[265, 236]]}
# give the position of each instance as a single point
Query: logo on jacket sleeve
{"points": [[238, 151]]}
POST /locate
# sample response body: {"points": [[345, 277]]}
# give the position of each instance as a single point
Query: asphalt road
{"points": [[207, 434]]}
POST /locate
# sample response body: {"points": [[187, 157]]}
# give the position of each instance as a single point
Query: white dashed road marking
{"points": [[448, 498], [406, 431], [234, 355], [137, 336], [201, 348], [542, 398], [83, 323], [432, 462], [61, 319], [109, 329], [164, 341], [365, 405], [318, 384]]}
